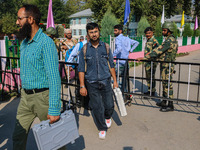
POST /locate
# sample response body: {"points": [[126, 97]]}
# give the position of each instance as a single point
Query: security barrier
{"points": [[186, 81]]}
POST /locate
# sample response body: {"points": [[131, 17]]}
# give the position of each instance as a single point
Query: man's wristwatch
{"points": [[82, 86]]}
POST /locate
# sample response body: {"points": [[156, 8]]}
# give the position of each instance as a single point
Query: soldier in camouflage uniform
{"points": [[166, 52], [51, 32], [150, 45]]}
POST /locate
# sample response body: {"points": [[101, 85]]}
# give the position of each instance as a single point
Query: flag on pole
{"points": [[127, 12], [182, 20], [50, 21], [163, 16], [196, 23]]}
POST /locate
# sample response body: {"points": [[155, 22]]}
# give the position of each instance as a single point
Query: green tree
{"points": [[196, 32], [158, 28], [8, 22], [74, 6], [57, 7], [142, 25], [187, 30], [175, 33], [187, 6], [197, 9], [107, 24]]}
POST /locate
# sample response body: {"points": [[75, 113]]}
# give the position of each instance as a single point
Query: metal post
{"points": [[188, 90]]}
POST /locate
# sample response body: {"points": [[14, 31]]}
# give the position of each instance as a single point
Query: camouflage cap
{"points": [[51, 31], [169, 26]]}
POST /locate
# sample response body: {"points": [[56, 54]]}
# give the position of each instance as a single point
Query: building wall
{"points": [[78, 26]]}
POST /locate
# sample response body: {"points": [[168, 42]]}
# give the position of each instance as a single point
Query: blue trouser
{"points": [[101, 102], [121, 73]]}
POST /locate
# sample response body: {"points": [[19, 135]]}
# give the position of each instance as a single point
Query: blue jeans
{"points": [[101, 102], [121, 73]]}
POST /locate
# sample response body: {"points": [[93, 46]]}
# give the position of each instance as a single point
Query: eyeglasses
{"points": [[20, 18]]}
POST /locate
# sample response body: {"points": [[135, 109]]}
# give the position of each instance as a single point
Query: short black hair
{"points": [[148, 29], [91, 26], [33, 10], [119, 27]]}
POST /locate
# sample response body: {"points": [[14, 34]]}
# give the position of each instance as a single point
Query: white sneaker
{"points": [[102, 135], [108, 122]]}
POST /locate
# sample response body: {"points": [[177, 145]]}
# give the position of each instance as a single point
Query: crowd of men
{"points": [[41, 83]]}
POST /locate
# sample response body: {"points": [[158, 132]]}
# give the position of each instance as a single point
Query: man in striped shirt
{"points": [[41, 84]]}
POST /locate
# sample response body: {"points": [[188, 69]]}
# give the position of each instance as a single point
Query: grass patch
{"points": [[182, 54]]}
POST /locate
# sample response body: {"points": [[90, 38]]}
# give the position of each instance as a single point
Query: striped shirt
{"points": [[39, 68]]}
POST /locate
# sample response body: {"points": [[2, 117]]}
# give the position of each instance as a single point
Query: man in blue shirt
{"points": [[76, 50], [123, 46], [40, 79], [97, 76]]}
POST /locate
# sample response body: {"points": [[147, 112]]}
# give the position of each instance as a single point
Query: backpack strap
{"points": [[108, 51], [84, 54]]}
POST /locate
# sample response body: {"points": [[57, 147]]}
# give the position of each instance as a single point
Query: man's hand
{"points": [[141, 58], [70, 68], [115, 85], [53, 118], [83, 91], [64, 47]]}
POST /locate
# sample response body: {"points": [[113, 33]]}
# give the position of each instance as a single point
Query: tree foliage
{"points": [[196, 32], [8, 23], [187, 30], [142, 25], [187, 6], [158, 28], [175, 33], [107, 24]]}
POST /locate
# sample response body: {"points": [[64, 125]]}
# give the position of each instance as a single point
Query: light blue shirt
{"points": [[39, 68], [75, 52], [124, 45]]}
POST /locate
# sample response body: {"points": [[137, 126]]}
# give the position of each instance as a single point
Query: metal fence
{"points": [[13, 49], [186, 81]]}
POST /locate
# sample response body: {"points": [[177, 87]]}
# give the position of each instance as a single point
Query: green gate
{"points": [[184, 42], [105, 39], [139, 47], [159, 39], [12, 50], [193, 40]]}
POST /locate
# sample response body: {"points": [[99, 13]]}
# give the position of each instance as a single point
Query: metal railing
{"points": [[186, 80]]}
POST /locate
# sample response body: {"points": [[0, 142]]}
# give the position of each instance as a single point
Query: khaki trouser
{"points": [[30, 107]]}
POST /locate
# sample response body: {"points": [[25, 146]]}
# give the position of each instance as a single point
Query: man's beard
{"points": [[116, 34], [69, 37], [94, 40], [25, 31]]}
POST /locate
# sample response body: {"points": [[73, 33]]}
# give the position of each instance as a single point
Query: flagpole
{"points": [[126, 14]]}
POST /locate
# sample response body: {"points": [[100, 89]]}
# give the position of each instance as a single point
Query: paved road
{"points": [[144, 128]]}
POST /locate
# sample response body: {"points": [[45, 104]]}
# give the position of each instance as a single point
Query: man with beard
{"points": [[69, 42], [150, 69], [123, 46], [94, 62], [166, 52], [41, 84]]}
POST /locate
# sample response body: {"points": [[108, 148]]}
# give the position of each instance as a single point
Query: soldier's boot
{"points": [[163, 103], [170, 107]]}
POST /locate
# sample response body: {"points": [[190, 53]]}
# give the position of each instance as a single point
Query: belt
{"points": [[32, 91]]}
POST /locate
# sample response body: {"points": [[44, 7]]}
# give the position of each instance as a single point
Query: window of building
{"points": [[80, 32], [74, 31], [88, 20], [74, 21], [79, 21]]}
